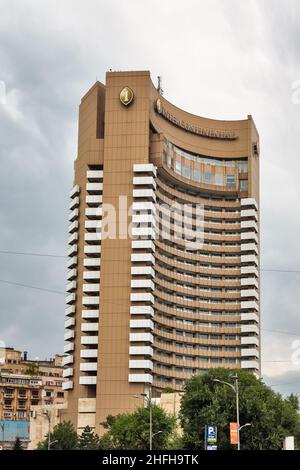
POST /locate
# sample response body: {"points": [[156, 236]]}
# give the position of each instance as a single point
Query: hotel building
{"points": [[148, 308]]}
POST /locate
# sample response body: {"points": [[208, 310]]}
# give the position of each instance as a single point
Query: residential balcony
{"points": [[91, 313], [88, 366], [88, 380], [88, 327], [140, 364], [94, 175], [74, 215], [140, 378], [94, 188], [74, 191], [74, 203], [90, 300], [144, 168]]}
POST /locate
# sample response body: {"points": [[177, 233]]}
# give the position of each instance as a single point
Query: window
{"points": [[178, 167], [208, 177], [243, 185], [230, 181], [243, 167], [187, 171], [197, 175], [169, 161], [219, 179]]}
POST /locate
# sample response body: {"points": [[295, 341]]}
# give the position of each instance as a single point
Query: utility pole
{"points": [[150, 416]]}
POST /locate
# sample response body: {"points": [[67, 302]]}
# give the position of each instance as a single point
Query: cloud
{"points": [[223, 59]]}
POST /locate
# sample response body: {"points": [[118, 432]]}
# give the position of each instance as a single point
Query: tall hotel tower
{"points": [[147, 307]]}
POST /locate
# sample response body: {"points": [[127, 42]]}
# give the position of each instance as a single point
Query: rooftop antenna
{"points": [[159, 85]]}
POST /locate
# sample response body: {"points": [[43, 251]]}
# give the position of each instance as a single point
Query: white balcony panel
{"points": [[142, 284], [72, 262], [88, 366], [74, 191], [250, 329], [88, 380], [249, 341], [144, 168], [70, 299], [92, 313], [71, 274], [144, 193], [249, 247], [143, 245], [74, 203], [143, 206], [73, 226], [70, 310], [94, 174], [140, 378], [90, 287], [249, 293], [86, 327], [249, 224], [93, 224], [94, 237], [249, 281], [249, 259], [249, 236], [250, 365], [141, 337], [247, 213], [143, 232], [94, 200], [90, 300], [69, 335], [72, 250], [69, 322], [246, 317], [71, 286], [73, 215], [249, 270], [251, 352], [92, 249], [89, 340], [91, 262], [142, 310], [142, 297], [144, 219], [140, 364], [68, 347], [68, 360], [142, 271], [249, 305], [142, 324], [142, 258], [90, 275], [141, 351], [68, 385], [68, 372], [94, 188], [89, 353], [144, 181], [249, 202], [93, 212]]}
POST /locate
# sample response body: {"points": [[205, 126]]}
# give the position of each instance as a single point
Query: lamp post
{"points": [[235, 388], [148, 399]]}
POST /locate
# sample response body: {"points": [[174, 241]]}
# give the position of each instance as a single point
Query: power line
{"points": [[47, 255], [53, 291]]}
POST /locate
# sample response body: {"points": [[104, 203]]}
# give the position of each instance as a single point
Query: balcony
{"points": [[143, 245], [70, 310], [88, 353], [88, 366], [141, 337], [91, 262], [89, 340], [88, 380], [72, 262], [67, 385], [69, 335], [73, 227], [143, 232], [72, 250], [142, 297], [68, 359], [74, 215], [71, 286], [88, 327], [249, 202], [144, 168], [144, 193], [142, 284], [94, 288], [71, 274], [93, 225], [141, 351], [144, 181], [140, 378], [94, 237], [93, 200], [145, 324], [142, 258], [94, 188], [91, 275], [142, 310], [68, 347], [94, 175], [74, 191], [71, 298], [74, 203], [140, 364], [90, 300], [90, 313], [142, 271], [92, 249], [68, 372], [73, 238], [69, 323]]}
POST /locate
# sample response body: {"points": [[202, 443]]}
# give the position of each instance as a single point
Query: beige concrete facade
{"points": [[146, 305]]}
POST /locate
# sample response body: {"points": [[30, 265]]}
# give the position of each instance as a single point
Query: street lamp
{"points": [[235, 388], [148, 399]]}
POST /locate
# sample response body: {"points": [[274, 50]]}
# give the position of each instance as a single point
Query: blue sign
{"points": [[211, 434], [9, 430]]}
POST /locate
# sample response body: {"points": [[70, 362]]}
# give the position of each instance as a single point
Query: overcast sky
{"points": [[218, 58]]}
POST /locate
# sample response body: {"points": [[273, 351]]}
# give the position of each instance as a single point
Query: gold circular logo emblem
{"points": [[126, 96], [158, 106]]}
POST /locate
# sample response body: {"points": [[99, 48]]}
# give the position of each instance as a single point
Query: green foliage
{"points": [[32, 369], [131, 431], [17, 444], [207, 402], [88, 440], [63, 437]]}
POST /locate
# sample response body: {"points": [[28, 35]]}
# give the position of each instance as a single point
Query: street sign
{"points": [[211, 434], [212, 447], [233, 434]]}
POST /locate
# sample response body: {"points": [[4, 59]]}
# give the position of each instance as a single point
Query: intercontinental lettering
{"points": [[194, 129]]}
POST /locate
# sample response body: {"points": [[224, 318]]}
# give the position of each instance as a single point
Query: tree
{"points": [[63, 437], [206, 402], [17, 444], [32, 369], [88, 440], [132, 431]]}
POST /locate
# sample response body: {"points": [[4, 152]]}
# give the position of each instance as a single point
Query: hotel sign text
{"points": [[193, 128]]}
